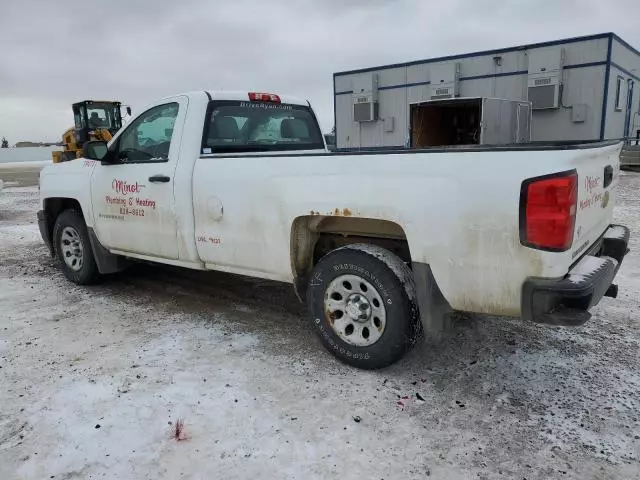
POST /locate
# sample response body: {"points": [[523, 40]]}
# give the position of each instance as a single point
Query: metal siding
{"points": [[477, 88], [393, 103], [614, 127], [391, 77], [511, 88], [354, 79], [346, 131], [584, 52], [625, 58], [476, 66], [500, 51], [625, 61], [343, 83], [603, 111], [418, 94], [370, 134], [583, 85], [418, 73]]}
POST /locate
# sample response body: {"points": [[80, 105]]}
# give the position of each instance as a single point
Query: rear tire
{"points": [[363, 306], [73, 249]]}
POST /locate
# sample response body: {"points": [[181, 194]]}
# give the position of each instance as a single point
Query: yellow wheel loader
{"points": [[94, 120]]}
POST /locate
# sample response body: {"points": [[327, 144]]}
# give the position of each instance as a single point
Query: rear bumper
{"points": [[567, 301], [43, 225]]}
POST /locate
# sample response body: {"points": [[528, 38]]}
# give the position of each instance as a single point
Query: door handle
{"points": [[159, 179], [608, 175]]}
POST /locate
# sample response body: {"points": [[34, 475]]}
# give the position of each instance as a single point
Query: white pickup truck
{"points": [[380, 245]]}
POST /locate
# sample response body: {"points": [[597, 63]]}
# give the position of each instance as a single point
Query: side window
{"points": [[148, 137], [619, 92], [78, 116]]}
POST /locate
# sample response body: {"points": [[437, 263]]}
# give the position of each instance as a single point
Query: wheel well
{"points": [[314, 236], [55, 206]]}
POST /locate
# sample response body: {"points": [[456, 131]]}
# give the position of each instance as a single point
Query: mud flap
{"points": [[434, 309], [106, 261]]}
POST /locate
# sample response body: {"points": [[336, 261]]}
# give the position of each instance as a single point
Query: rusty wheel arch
{"points": [[313, 236]]}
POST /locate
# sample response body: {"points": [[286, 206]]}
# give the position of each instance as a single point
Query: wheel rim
{"points": [[71, 248], [355, 310]]}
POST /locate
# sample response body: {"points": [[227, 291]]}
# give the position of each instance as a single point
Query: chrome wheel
{"points": [[71, 248], [355, 310]]}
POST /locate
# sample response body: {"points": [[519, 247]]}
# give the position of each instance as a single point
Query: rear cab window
{"points": [[259, 126]]}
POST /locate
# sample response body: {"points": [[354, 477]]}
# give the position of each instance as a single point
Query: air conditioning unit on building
{"points": [[365, 109], [445, 81], [544, 91], [545, 78], [365, 98]]}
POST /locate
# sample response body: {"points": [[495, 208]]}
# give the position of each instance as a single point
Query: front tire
{"points": [[73, 249], [363, 306]]}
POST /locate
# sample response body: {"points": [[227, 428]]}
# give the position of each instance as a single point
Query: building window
{"points": [[619, 94]]}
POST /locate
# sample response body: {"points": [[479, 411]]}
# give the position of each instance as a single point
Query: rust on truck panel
{"points": [[344, 212], [336, 212]]}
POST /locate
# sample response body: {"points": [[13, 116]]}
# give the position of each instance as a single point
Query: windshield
{"points": [[259, 127], [105, 115]]}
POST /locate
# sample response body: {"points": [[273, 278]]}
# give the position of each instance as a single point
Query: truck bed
{"points": [[533, 146]]}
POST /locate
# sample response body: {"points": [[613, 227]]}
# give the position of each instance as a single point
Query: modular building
{"points": [[583, 88]]}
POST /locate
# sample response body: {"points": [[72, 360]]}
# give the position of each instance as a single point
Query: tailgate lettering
{"points": [[594, 193], [591, 201], [591, 183]]}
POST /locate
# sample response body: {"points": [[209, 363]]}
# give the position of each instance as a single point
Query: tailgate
{"points": [[598, 171]]}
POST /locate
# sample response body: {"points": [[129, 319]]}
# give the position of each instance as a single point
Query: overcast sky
{"points": [[57, 52]]}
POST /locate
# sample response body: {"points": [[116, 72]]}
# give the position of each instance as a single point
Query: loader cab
{"points": [[90, 115]]}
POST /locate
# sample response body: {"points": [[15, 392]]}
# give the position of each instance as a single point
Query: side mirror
{"points": [[128, 110], [95, 150]]}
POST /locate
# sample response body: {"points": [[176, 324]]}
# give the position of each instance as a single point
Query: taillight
{"points": [[264, 97], [548, 211]]}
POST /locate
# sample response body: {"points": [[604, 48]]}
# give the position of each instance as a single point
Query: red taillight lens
{"points": [[264, 97], [548, 211]]}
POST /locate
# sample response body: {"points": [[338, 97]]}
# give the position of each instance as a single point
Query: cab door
{"points": [[133, 199]]}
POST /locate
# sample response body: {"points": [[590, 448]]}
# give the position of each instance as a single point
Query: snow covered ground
{"points": [[19, 173], [94, 380]]}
